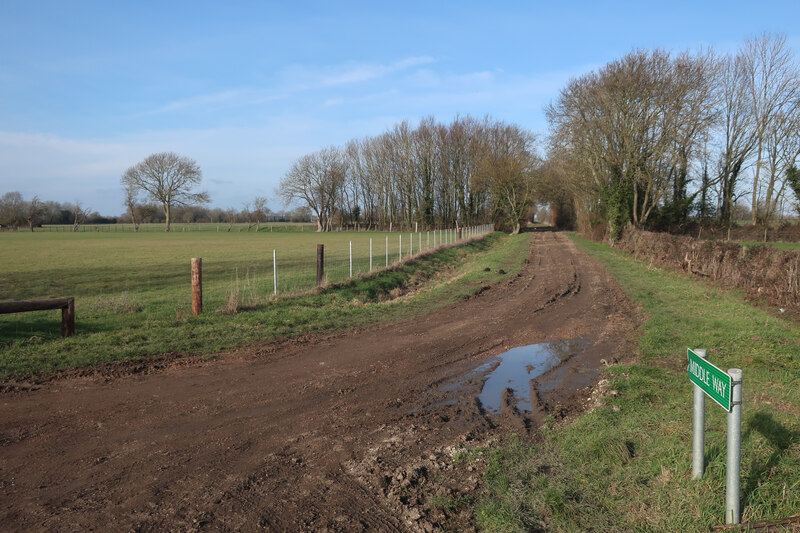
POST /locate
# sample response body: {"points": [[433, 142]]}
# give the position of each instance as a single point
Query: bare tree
{"points": [[506, 166], [773, 82], [33, 210], [168, 179], [316, 179], [634, 127], [255, 211], [79, 215], [736, 135], [12, 209], [131, 202]]}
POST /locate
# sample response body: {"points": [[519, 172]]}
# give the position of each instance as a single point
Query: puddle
{"points": [[518, 366]]}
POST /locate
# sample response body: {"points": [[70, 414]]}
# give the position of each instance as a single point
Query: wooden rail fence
{"points": [[67, 306]]}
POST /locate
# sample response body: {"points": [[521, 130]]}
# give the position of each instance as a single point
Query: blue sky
{"points": [[88, 89]]}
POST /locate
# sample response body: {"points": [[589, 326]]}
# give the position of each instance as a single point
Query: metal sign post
{"points": [[698, 428], [725, 388], [732, 514]]}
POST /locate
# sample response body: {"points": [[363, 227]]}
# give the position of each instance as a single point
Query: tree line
{"points": [[469, 171], [16, 212], [656, 139]]}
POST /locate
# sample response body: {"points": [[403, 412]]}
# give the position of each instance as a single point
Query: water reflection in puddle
{"points": [[518, 366]]}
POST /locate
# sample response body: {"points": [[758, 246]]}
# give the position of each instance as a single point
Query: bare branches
{"points": [[168, 179], [462, 173], [317, 180]]}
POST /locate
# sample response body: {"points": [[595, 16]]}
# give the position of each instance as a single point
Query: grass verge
{"points": [[447, 275], [625, 466]]}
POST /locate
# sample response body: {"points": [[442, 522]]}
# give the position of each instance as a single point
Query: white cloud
{"points": [[302, 77], [201, 100], [357, 73]]}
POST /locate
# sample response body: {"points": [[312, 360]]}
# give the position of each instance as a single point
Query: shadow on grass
{"points": [[781, 439]]}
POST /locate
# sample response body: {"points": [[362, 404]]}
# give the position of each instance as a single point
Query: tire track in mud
{"points": [[339, 432]]}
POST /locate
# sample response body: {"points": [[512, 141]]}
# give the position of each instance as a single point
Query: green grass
{"points": [[177, 227], [626, 465], [153, 267], [133, 293]]}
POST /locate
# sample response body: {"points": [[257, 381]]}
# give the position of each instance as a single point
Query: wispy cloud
{"points": [[202, 100], [304, 77], [295, 79], [361, 72], [231, 98]]}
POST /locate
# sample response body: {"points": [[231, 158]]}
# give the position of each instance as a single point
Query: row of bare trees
{"points": [[466, 172], [16, 212], [650, 137]]}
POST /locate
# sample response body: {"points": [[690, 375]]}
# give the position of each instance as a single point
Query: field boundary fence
{"points": [[296, 270], [291, 271], [236, 275]]}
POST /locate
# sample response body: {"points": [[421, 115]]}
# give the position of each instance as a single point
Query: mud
{"points": [[344, 432]]}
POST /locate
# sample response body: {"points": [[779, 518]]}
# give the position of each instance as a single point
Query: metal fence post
{"points": [[698, 427], [351, 259], [274, 273], [732, 514]]}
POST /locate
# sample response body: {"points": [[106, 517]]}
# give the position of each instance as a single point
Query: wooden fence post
{"points": [[197, 285], [320, 263], [68, 318]]}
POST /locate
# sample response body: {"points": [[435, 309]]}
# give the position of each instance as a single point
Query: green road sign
{"points": [[714, 381]]}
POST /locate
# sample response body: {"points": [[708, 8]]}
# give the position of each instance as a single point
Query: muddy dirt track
{"points": [[339, 433]]}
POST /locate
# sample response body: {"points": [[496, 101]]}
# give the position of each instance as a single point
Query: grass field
{"points": [[178, 227], [626, 465], [133, 298]]}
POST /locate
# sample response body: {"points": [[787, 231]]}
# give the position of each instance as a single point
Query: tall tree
{"points": [[736, 132], [506, 166], [773, 82], [317, 180], [168, 179]]}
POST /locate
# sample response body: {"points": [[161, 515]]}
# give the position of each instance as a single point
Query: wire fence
{"points": [[296, 269], [150, 273]]}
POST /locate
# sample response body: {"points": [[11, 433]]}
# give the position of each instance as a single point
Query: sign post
{"points": [[732, 514], [725, 388], [698, 427]]}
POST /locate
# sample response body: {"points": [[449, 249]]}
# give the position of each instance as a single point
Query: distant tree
{"points": [[506, 166], [132, 203], [33, 211], [11, 209], [255, 212], [79, 215], [317, 179], [168, 179]]}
